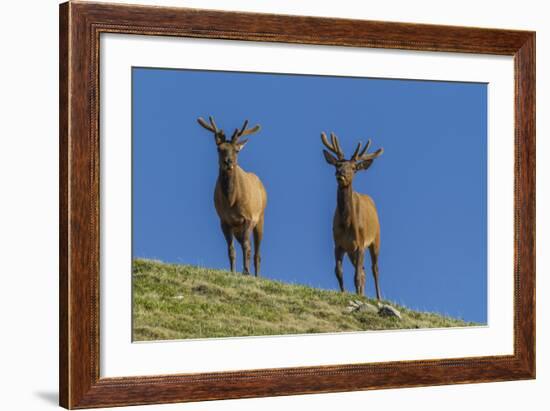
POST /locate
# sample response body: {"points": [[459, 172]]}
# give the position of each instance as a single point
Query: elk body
{"points": [[355, 226], [239, 197]]}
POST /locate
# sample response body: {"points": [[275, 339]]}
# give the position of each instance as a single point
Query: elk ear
{"points": [[330, 158], [365, 160], [239, 146], [219, 138], [363, 165]]}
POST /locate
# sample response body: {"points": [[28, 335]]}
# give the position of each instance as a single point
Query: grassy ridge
{"points": [[180, 301]]}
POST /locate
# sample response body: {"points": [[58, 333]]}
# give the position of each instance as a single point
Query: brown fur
{"points": [[355, 225], [239, 197]]}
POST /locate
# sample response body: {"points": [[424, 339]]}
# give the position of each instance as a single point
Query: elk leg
{"points": [[338, 270], [246, 254], [243, 237], [258, 235], [228, 234], [374, 260], [358, 261]]}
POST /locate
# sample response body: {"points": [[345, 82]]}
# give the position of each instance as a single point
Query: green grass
{"points": [[174, 301]]}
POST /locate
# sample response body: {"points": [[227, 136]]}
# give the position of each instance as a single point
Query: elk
{"points": [[239, 197], [355, 226]]}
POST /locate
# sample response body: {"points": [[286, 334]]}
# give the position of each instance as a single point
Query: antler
{"points": [[218, 134], [358, 153], [363, 155], [210, 127], [237, 134], [335, 146]]}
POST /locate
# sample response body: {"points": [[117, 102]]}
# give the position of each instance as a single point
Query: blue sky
{"points": [[430, 185]]}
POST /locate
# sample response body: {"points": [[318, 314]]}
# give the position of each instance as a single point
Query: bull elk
{"points": [[239, 197], [355, 225]]}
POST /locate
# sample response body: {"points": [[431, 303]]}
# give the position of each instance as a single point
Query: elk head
{"points": [[346, 169], [228, 150]]}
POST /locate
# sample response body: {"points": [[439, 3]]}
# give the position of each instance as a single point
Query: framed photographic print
{"points": [[257, 205]]}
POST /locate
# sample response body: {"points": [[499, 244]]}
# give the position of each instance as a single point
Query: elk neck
{"points": [[228, 183], [345, 204]]}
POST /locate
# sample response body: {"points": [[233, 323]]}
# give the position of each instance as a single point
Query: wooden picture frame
{"points": [[80, 27]]}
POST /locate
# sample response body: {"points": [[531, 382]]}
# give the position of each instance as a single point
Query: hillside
{"points": [[179, 301]]}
